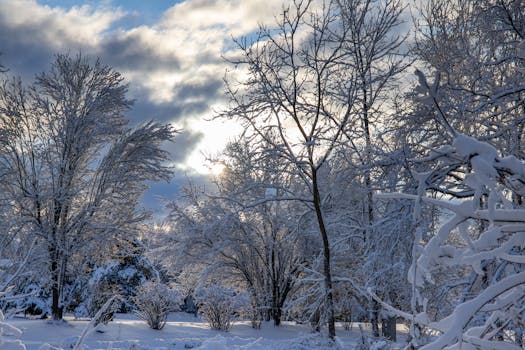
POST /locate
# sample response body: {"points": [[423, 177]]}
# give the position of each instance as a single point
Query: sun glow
{"points": [[216, 168], [216, 134]]}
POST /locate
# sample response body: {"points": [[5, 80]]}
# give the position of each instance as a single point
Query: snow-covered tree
{"points": [[121, 276], [491, 314], [73, 170], [480, 243], [472, 48], [317, 81], [306, 85], [254, 249]]}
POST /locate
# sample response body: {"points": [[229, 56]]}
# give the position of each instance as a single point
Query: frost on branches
{"points": [[155, 301], [219, 305], [6, 329], [484, 236]]}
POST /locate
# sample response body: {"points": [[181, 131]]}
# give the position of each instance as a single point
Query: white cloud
{"points": [[56, 26], [175, 65], [236, 17]]}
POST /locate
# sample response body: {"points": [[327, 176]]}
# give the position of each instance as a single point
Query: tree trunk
{"points": [[276, 310], [369, 204], [330, 314], [56, 308], [374, 317], [389, 328], [277, 313]]}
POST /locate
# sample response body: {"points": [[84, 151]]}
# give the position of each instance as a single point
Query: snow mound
{"points": [[306, 342], [216, 343], [310, 341], [12, 345]]}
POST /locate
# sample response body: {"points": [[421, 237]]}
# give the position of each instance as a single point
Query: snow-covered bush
{"points": [[33, 300], [219, 305], [154, 301], [119, 276]]}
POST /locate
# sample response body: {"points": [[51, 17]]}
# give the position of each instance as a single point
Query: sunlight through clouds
{"points": [[176, 61], [171, 55]]}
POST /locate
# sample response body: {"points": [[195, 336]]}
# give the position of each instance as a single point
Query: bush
{"points": [[219, 305], [33, 301], [154, 301]]}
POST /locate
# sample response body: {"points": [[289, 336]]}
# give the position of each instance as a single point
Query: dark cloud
{"points": [[190, 99], [173, 111], [22, 53], [135, 51], [144, 109], [207, 90], [185, 142]]}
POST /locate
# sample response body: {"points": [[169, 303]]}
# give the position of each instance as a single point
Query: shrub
{"points": [[219, 305], [154, 301]]}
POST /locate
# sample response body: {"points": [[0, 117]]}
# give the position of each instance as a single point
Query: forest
{"points": [[378, 181]]}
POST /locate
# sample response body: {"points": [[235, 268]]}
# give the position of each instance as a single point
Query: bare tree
{"points": [[74, 171], [288, 103], [377, 57], [316, 82]]}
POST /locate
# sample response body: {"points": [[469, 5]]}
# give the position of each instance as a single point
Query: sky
{"points": [[170, 53]]}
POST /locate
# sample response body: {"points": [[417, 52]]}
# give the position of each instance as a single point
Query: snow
{"points": [[183, 331], [500, 301], [464, 313]]}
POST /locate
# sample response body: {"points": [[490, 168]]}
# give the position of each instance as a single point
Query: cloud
{"points": [[174, 67], [189, 100], [139, 49], [32, 33], [236, 17], [56, 27], [200, 89], [185, 141]]}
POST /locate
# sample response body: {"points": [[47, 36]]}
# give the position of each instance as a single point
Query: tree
{"points": [[376, 58], [74, 171], [472, 48], [477, 243], [257, 247], [286, 98], [277, 249], [315, 77], [492, 316]]}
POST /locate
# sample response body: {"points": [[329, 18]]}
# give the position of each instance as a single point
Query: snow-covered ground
{"points": [[183, 331]]}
